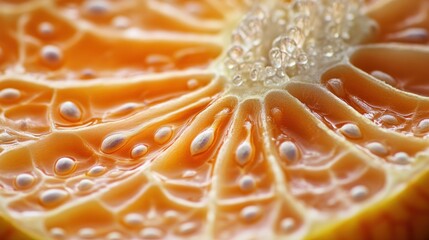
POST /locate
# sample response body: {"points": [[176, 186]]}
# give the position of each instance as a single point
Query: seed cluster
{"points": [[276, 45]]}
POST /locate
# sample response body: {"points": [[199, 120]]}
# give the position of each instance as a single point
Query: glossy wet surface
{"points": [[122, 125]]}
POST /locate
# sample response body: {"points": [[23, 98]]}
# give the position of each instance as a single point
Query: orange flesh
{"points": [[153, 80]]}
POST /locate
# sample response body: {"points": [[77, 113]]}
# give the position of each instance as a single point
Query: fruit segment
{"points": [[403, 23], [85, 40], [357, 129], [327, 177], [391, 65], [81, 106], [244, 171], [192, 159], [404, 113]]}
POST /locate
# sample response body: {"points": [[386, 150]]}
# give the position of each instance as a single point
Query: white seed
{"points": [[189, 174], [53, 196], [124, 109], [384, 77], [87, 73], [423, 125], [51, 54], [97, 7], [389, 119], [70, 111], [24, 180], [359, 192], [192, 84], [289, 151], [336, 86], [114, 236], [138, 151], [243, 154], [6, 137], [287, 224], [113, 142], [351, 130], [121, 22], [171, 214], [247, 183], [85, 185], [57, 232], [64, 166], [86, 233], [187, 228], [400, 158], [96, 171], [202, 141], [377, 148], [151, 233], [133, 219], [9, 94], [250, 213], [46, 29], [163, 134]]}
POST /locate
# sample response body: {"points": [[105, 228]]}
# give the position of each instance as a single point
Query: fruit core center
{"points": [[281, 42]]}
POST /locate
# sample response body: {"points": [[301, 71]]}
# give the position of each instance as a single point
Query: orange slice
{"points": [[211, 119]]}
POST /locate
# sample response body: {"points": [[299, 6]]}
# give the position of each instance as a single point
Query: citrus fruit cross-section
{"points": [[214, 119]]}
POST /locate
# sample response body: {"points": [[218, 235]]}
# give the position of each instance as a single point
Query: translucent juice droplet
{"points": [[289, 151], [202, 141], [24, 180], [64, 166], [236, 53], [359, 192], [70, 112], [113, 142], [275, 57], [250, 213], [351, 130], [9, 94], [163, 134], [237, 80], [286, 44], [53, 196]]}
